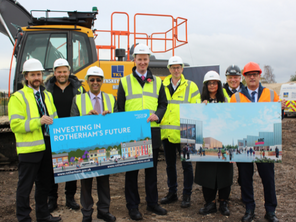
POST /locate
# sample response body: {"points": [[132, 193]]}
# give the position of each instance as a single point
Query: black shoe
{"points": [[249, 216], [157, 209], [135, 214], [186, 201], [169, 198], [50, 218], [87, 219], [71, 203], [223, 208], [106, 217], [52, 204], [208, 208], [270, 216]]}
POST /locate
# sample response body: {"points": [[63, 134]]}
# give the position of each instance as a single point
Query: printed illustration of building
{"points": [[264, 140], [97, 155], [191, 132], [136, 148], [59, 160], [212, 143]]}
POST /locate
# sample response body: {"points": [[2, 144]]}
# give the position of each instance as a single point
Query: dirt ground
{"points": [[285, 189]]}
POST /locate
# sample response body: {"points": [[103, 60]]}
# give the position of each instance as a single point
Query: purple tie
{"points": [[143, 77], [98, 105]]}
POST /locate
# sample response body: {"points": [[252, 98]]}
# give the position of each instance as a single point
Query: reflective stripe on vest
{"points": [[186, 96], [27, 123], [170, 127], [137, 96], [34, 143]]}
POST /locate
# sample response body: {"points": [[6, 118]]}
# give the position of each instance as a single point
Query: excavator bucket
{"points": [[12, 15]]}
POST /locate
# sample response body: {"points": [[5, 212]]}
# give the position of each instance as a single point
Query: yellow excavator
{"points": [[72, 36]]}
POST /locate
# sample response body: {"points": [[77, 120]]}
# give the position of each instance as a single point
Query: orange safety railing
{"points": [[170, 35]]}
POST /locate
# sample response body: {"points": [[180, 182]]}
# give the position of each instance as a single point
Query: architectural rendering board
{"points": [[96, 145], [231, 132]]}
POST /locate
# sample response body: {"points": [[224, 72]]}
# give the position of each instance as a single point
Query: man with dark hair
{"points": [[63, 87]]}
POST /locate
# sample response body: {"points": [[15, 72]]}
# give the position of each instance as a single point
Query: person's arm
{"points": [[120, 98], [195, 94], [17, 117], [74, 108]]}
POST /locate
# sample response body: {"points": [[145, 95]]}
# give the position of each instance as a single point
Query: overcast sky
{"points": [[221, 32]]}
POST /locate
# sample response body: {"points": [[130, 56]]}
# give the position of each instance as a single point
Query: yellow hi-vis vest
{"points": [[84, 104], [138, 98], [187, 92], [24, 119]]}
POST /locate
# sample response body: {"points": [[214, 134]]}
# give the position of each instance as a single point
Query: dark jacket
{"points": [[230, 93], [74, 81], [161, 108]]}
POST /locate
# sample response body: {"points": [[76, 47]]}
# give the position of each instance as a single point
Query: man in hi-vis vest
{"points": [[178, 91], [137, 91], [30, 111], [94, 102]]}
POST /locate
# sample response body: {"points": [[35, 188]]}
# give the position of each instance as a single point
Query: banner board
{"points": [[231, 132], [96, 145]]}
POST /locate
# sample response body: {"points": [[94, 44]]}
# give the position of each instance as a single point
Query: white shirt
{"points": [[237, 89], [175, 86], [140, 75], [256, 95], [93, 99]]}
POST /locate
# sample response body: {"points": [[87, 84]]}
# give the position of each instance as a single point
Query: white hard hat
{"points": [[94, 71], [141, 49], [175, 60], [211, 75], [32, 65], [60, 62]]}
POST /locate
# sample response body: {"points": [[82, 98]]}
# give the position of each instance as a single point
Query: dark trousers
{"points": [[41, 173], [70, 189], [266, 172], [170, 150], [86, 200], [210, 194], [131, 185]]}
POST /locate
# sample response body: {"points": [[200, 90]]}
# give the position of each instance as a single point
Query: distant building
{"points": [[59, 160], [97, 155], [264, 140], [136, 148], [212, 143]]}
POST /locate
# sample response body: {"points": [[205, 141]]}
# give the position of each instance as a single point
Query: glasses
{"points": [[213, 83], [251, 75], [95, 79], [176, 68]]}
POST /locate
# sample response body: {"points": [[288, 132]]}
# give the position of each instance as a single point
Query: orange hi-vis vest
{"points": [[267, 95]]}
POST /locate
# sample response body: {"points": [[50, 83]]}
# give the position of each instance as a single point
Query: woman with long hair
{"points": [[214, 176]]}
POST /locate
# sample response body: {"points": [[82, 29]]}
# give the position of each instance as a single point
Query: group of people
{"points": [[33, 108]]}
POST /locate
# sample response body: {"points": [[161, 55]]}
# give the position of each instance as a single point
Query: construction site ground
{"points": [[285, 177]]}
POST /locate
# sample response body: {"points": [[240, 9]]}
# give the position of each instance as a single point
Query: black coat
{"points": [[212, 174], [161, 108]]}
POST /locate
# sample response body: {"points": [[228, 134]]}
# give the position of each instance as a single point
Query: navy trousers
{"points": [[131, 185], [266, 172], [170, 150]]}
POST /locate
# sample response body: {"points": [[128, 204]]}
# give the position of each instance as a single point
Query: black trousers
{"points": [[210, 194], [103, 190], [266, 172], [131, 185], [39, 173], [70, 189]]}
